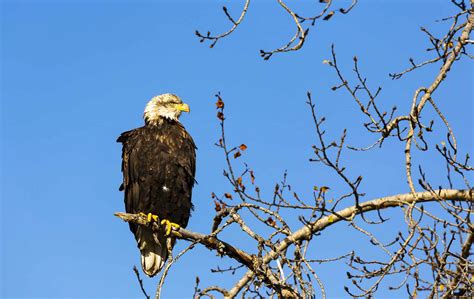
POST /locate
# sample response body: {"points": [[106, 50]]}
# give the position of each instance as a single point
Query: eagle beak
{"points": [[183, 107]]}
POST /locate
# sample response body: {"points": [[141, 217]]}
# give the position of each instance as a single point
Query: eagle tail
{"points": [[153, 252]]}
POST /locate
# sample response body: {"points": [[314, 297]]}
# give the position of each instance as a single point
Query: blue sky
{"points": [[75, 74]]}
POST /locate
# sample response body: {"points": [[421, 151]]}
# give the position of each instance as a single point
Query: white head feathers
{"points": [[165, 106]]}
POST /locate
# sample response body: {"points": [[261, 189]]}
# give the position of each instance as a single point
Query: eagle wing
{"points": [[158, 166], [158, 171]]}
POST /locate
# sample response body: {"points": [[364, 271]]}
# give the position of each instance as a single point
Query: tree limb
{"points": [[346, 214]]}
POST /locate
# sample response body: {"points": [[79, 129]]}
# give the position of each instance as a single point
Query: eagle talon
{"points": [[168, 226], [149, 217]]}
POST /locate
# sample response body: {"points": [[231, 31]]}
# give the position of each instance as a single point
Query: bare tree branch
{"points": [[296, 42], [349, 213]]}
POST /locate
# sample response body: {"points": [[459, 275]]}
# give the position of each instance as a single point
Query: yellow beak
{"points": [[183, 107]]}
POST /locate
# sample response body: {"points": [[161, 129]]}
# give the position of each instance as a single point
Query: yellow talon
{"points": [[152, 217], [169, 225], [149, 217]]}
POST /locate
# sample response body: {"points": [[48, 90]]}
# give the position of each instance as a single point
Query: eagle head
{"points": [[165, 106]]}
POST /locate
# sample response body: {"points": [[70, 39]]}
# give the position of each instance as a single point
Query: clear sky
{"points": [[75, 74]]}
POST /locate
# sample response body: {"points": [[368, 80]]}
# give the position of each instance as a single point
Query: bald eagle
{"points": [[158, 166]]}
